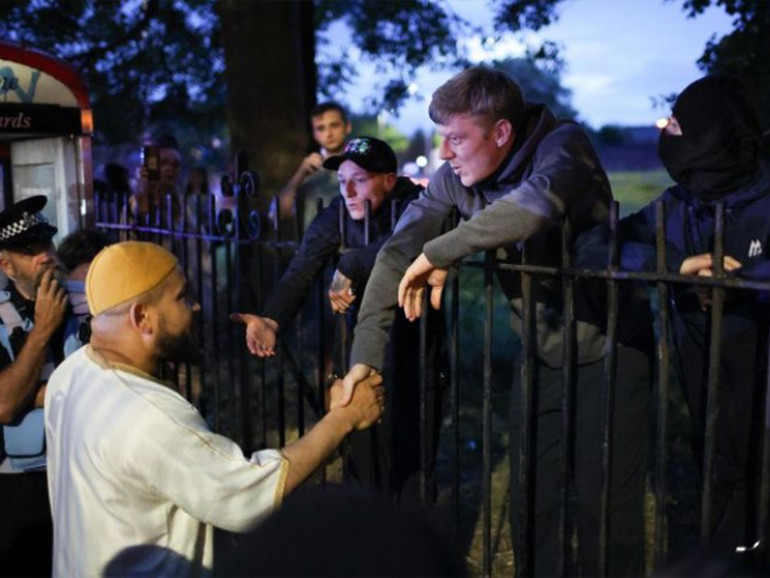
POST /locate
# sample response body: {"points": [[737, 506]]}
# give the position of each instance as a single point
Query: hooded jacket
{"points": [[690, 230], [730, 172], [552, 172]]}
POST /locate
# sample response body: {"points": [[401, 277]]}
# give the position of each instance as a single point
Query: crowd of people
{"points": [[111, 471]]}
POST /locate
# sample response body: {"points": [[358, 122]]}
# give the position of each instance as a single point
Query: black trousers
{"points": [[26, 529], [737, 448], [628, 467]]}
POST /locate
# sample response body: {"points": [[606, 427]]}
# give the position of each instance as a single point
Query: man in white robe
{"points": [[131, 462]]}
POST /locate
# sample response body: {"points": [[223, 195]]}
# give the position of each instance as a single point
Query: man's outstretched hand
{"points": [[260, 333], [412, 286]]}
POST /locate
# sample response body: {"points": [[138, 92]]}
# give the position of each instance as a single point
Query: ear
{"points": [[142, 318], [390, 182], [503, 132], [348, 128], [6, 265]]}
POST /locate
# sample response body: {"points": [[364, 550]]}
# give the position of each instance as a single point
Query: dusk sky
{"points": [[619, 54]]}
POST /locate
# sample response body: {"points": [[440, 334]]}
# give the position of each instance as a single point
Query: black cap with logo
{"points": [[367, 152], [23, 224]]}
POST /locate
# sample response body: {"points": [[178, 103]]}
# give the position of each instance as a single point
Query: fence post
{"points": [[661, 531], [610, 366], [565, 562], [522, 521], [712, 399]]}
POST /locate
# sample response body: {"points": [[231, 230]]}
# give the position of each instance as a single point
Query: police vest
{"points": [[24, 439]]}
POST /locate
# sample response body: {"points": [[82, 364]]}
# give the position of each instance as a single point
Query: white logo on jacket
{"points": [[755, 248]]}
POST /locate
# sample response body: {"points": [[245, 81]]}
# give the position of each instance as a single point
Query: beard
{"points": [[182, 348]]}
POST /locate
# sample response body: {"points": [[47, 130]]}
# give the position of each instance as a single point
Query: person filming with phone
{"points": [[159, 179]]}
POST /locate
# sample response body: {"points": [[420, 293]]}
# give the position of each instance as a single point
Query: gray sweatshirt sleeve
{"points": [[421, 221], [563, 178]]}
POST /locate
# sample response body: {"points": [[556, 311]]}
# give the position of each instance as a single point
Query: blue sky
{"points": [[619, 54]]}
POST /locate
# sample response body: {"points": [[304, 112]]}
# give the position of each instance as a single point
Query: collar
{"points": [[759, 187], [104, 363], [538, 122]]}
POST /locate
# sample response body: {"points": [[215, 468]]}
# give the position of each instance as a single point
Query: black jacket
{"points": [[323, 239]]}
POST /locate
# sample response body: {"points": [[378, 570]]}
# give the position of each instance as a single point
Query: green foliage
{"points": [[155, 65], [516, 15], [397, 37], [400, 37], [505, 342], [745, 52], [368, 125], [150, 66]]}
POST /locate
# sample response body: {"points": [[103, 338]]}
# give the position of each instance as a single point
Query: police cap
{"points": [[22, 224]]}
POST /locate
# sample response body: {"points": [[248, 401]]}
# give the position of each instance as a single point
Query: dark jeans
{"points": [[628, 466], [26, 529], [737, 449]]}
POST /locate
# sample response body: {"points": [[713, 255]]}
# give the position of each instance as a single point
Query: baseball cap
{"points": [[367, 152]]}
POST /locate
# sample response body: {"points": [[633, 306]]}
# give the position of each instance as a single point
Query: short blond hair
{"points": [[482, 92]]}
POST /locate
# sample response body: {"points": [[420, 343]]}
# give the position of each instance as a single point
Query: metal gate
{"points": [[233, 258]]}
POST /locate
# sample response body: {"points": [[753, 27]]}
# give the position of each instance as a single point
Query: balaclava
{"points": [[718, 150]]}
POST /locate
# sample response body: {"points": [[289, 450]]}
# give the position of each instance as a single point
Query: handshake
{"points": [[363, 405], [344, 390]]}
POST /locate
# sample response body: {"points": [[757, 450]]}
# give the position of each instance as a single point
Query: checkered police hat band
{"points": [[24, 223]]}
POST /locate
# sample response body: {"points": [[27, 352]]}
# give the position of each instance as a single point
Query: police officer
{"points": [[33, 308]]}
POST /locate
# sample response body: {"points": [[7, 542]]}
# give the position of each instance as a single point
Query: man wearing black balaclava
{"points": [[714, 152], [711, 147]]}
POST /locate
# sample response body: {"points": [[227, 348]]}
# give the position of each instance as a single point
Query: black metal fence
{"points": [[233, 259]]}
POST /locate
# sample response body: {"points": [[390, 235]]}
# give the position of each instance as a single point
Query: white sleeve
{"points": [[205, 474]]}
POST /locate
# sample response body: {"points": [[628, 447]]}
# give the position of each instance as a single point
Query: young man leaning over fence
{"points": [[514, 172], [389, 459], [711, 147], [131, 462]]}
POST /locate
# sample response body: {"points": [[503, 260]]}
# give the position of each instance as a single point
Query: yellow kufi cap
{"points": [[124, 271]]}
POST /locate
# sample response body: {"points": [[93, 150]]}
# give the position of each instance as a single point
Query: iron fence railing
{"points": [[233, 259]]}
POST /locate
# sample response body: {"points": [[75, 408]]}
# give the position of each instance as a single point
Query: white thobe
{"points": [[131, 462]]}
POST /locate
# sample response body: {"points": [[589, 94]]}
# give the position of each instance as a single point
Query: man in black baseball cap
{"points": [[366, 170], [370, 153], [33, 307]]}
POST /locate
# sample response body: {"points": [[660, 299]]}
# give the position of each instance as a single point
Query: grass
{"points": [[634, 190]]}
